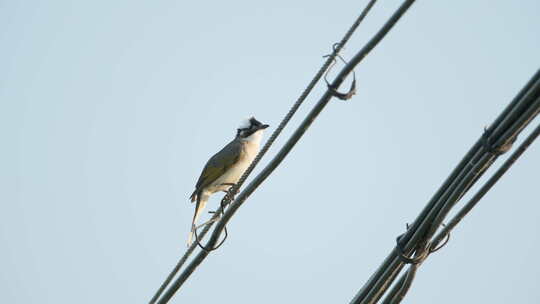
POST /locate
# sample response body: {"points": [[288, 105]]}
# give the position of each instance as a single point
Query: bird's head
{"points": [[250, 129]]}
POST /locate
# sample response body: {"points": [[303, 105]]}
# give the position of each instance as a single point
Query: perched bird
{"points": [[226, 167]]}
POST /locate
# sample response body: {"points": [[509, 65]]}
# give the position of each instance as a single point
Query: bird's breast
{"points": [[233, 174]]}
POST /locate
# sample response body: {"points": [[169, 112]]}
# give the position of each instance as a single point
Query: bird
{"points": [[225, 168]]}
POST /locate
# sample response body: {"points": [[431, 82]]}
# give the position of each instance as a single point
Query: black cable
{"points": [[503, 131], [270, 141], [306, 123]]}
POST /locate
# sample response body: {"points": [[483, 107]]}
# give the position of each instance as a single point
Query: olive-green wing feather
{"points": [[217, 165]]}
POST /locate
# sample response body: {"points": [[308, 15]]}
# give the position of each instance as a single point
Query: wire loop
{"points": [[428, 249], [432, 247], [404, 258], [210, 249], [331, 88], [228, 198], [446, 239]]}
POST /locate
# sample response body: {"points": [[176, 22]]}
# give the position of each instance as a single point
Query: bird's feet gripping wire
{"points": [[231, 192], [229, 197]]}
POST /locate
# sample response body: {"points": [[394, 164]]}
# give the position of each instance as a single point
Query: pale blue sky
{"points": [[109, 110]]}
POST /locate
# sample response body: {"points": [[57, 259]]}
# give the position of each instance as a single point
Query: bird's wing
{"points": [[218, 164]]}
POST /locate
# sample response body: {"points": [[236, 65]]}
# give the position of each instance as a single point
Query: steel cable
{"points": [[269, 143]]}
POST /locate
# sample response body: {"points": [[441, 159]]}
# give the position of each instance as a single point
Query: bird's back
{"points": [[219, 164]]}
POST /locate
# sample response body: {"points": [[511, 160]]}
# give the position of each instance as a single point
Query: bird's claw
{"points": [[229, 191]]}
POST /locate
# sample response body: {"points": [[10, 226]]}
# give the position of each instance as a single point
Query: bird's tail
{"points": [[202, 199]]}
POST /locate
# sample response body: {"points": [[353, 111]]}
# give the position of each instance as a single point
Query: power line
{"points": [[270, 141], [306, 123], [400, 289], [496, 140], [487, 186]]}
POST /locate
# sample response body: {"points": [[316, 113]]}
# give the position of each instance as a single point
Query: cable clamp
{"points": [[491, 148], [332, 89]]}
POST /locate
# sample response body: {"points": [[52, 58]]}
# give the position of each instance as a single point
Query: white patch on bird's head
{"points": [[245, 124]]}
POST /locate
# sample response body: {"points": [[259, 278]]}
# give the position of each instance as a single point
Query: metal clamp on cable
{"points": [[429, 249], [404, 258], [333, 89], [490, 147]]}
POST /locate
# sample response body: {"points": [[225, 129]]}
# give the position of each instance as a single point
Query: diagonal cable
{"points": [[270, 141], [400, 289], [306, 123], [501, 134], [486, 187]]}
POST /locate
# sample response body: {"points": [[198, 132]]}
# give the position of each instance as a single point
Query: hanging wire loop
{"points": [[229, 197], [333, 90]]}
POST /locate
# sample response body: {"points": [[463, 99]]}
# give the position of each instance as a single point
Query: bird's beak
{"points": [[262, 127]]}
